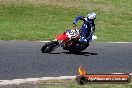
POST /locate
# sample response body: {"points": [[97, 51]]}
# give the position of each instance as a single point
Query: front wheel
{"points": [[48, 47]]}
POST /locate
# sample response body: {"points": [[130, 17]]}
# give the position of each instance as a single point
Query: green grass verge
{"points": [[72, 84], [43, 19]]}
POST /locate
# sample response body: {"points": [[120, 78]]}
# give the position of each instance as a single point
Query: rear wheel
{"points": [[77, 50], [84, 46], [74, 50], [48, 47]]}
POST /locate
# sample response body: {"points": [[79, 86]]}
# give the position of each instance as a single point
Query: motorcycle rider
{"points": [[88, 27]]}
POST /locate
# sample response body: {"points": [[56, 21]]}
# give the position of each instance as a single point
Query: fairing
{"points": [[62, 36]]}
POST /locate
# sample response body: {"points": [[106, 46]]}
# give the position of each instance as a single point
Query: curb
{"points": [[32, 80], [35, 80]]}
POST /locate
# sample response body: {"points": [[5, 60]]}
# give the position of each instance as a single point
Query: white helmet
{"points": [[91, 16]]}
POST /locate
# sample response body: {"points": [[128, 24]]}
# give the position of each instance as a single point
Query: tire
{"points": [[85, 45], [75, 50], [48, 47]]}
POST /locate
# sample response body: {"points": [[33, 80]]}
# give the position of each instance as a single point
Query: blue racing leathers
{"points": [[87, 28]]}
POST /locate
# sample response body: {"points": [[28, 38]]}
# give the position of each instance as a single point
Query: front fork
{"points": [[57, 44]]}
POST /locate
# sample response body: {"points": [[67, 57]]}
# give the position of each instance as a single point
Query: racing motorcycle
{"points": [[69, 40]]}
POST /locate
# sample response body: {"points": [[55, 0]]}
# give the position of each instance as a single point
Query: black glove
{"points": [[93, 29], [74, 25]]}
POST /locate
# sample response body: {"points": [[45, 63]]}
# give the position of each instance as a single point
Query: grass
{"points": [[72, 84], [43, 19]]}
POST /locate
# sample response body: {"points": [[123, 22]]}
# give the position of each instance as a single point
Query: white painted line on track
{"points": [[33, 80], [117, 42], [49, 41], [43, 41], [94, 42]]}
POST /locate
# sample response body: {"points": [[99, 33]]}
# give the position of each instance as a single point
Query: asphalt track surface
{"points": [[19, 60]]}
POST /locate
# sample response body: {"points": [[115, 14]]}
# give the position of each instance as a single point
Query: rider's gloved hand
{"points": [[67, 30], [74, 25], [92, 29], [82, 39]]}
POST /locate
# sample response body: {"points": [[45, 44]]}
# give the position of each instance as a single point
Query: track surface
{"points": [[19, 60]]}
